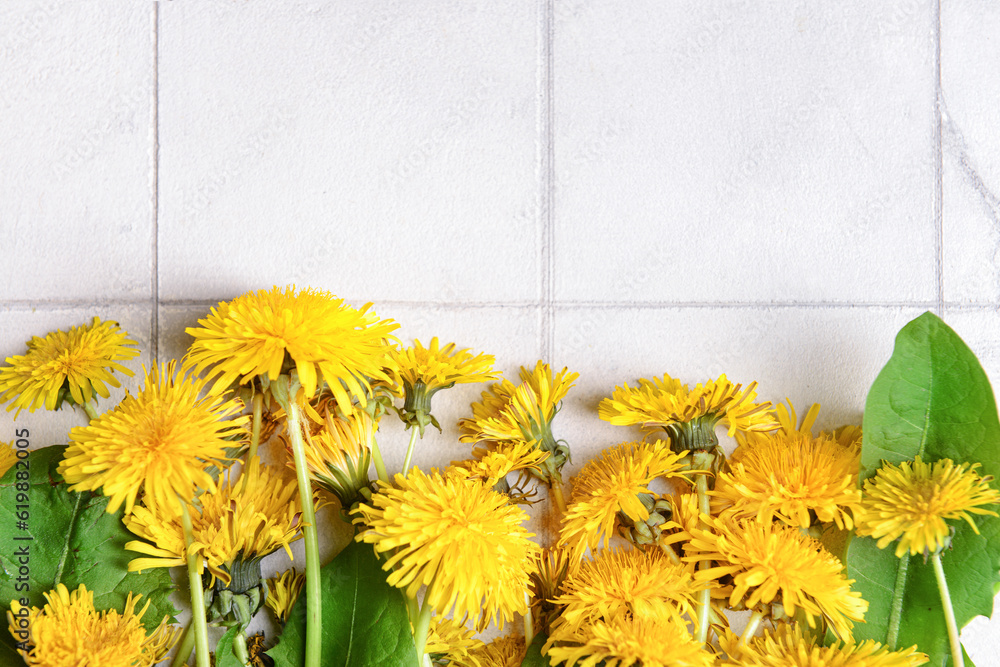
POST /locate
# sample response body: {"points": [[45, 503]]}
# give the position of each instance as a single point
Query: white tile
{"points": [[970, 235], [970, 97], [75, 196], [17, 326], [809, 355], [741, 151], [379, 150]]}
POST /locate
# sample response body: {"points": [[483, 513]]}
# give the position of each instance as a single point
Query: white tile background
{"points": [[767, 189]]}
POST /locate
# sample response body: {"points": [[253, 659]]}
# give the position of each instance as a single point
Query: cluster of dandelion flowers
{"points": [[325, 339], [613, 484], [637, 582], [791, 476], [159, 441], [625, 641], [667, 403], [78, 363], [243, 521], [68, 631], [788, 646], [768, 562], [424, 371], [457, 536], [913, 501]]}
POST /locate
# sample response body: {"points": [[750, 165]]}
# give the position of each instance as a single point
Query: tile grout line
{"points": [[939, 163], [547, 184], [154, 325]]}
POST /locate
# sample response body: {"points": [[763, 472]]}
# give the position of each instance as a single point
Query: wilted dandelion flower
{"points": [[769, 562], [626, 641], [789, 647], [458, 537], [424, 371], [268, 332], [791, 476], [912, 502], [613, 484], [282, 592], [667, 403], [159, 441], [235, 526], [501, 652], [66, 364], [69, 632]]}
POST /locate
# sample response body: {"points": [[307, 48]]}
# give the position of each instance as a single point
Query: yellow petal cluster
{"points": [[68, 631], [452, 641], [325, 340], [789, 475], [628, 641], [768, 562], [493, 464], [611, 484], [282, 592], [439, 367], [789, 647], [501, 652], [246, 519], [458, 537], [159, 441], [661, 402], [913, 502], [8, 456], [81, 360]]}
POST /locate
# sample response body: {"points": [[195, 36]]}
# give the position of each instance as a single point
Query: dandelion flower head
{"points": [[789, 647], [913, 501], [159, 441], [627, 641], [69, 632], [457, 536], [78, 363]]}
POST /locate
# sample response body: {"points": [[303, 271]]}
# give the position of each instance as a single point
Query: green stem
{"points": [[529, 621], [184, 646], [258, 410], [312, 588], [422, 625], [670, 553], [896, 610], [752, 626], [949, 613], [90, 409], [198, 620], [556, 493], [704, 602], [409, 450]]}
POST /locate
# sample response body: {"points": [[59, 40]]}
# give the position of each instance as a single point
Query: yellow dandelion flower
{"points": [[459, 537], [625, 641], [8, 457], [424, 371], [789, 647], [235, 525], [552, 566], [72, 364], [491, 465], [669, 404], [613, 484], [526, 415], [912, 502], [68, 632], [451, 643], [159, 441], [792, 477], [339, 454], [636, 582], [501, 652], [685, 517], [282, 592], [769, 562], [269, 331]]}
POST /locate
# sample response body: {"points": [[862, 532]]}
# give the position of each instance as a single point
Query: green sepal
{"points": [[932, 399]]}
